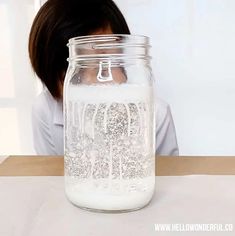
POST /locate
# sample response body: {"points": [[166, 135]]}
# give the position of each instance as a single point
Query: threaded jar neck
{"points": [[114, 48]]}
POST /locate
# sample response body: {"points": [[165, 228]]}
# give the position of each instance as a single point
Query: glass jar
{"points": [[109, 122]]}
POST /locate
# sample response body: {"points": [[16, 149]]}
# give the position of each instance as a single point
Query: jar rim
{"points": [[111, 38]]}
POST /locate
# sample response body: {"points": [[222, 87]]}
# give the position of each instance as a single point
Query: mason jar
{"points": [[109, 136]]}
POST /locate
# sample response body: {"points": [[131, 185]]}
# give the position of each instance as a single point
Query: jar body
{"points": [[109, 130]]}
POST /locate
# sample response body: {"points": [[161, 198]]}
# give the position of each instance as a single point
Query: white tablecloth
{"points": [[37, 206], [3, 158]]}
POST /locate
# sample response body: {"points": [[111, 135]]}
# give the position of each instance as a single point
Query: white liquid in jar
{"points": [[109, 146], [88, 195]]}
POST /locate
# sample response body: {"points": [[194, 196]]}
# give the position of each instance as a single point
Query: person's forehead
{"points": [[106, 30]]}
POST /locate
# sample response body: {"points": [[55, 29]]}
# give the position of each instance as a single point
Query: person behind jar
{"points": [[56, 22]]}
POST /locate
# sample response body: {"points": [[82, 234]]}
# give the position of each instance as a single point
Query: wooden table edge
{"points": [[164, 165]]}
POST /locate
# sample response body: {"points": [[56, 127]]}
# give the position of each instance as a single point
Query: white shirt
{"points": [[48, 127]]}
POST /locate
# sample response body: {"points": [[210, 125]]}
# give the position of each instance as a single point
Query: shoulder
{"points": [[163, 117], [42, 124], [162, 109], [166, 141], [42, 105]]}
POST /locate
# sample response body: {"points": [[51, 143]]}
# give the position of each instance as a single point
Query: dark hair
{"points": [[59, 20]]}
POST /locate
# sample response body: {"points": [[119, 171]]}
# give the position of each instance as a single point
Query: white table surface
{"points": [[33, 206]]}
